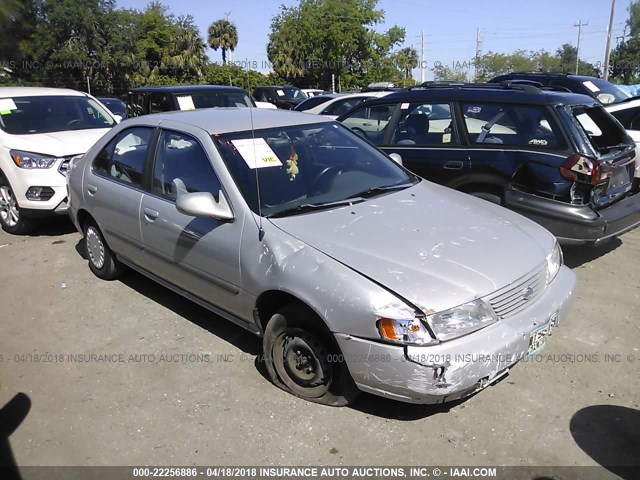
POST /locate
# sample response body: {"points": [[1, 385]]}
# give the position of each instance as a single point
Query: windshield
{"points": [[214, 99], [306, 165], [46, 114], [115, 106], [605, 92], [291, 93]]}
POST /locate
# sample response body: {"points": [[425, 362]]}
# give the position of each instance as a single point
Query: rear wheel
{"points": [[11, 218], [302, 358], [102, 261]]}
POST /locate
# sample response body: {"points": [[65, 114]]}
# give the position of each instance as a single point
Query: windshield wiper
{"points": [[312, 207], [371, 192], [621, 146]]}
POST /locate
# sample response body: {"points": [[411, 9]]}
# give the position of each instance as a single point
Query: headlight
{"points": [[554, 262], [32, 160], [461, 320], [398, 323]]}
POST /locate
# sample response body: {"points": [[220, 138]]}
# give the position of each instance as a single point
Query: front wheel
{"points": [[303, 358], [11, 218], [102, 261]]}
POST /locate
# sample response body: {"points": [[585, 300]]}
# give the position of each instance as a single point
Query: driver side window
{"points": [[180, 157]]}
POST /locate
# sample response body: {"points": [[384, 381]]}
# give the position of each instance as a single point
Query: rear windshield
{"points": [[602, 130], [213, 99], [312, 102], [46, 114]]}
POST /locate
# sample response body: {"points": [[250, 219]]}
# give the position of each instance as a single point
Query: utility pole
{"points": [[579, 25], [478, 53], [607, 54], [228, 14], [422, 57]]}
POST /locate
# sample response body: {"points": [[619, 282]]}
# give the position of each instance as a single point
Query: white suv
{"points": [[41, 130]]}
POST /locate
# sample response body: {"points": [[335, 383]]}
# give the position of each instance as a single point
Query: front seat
{"points": [[417, 127]]}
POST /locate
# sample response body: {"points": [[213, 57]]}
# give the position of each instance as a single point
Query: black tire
{"points": [[489, 197], [102, 261], [320, 375], [11, 218]]}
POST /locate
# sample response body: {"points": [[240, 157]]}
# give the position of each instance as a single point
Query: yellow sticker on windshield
{"points": [[5, 112]]}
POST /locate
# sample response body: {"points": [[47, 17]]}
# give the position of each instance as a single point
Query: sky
{"points": [[449, 27]]}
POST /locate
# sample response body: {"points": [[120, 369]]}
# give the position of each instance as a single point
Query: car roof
{"points": [[187, 89], [39, 92], [549, 75], [489, 92], [275, 86], [227, 120]]}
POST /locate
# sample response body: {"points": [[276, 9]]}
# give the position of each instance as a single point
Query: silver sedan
{"points": [[358, 275]]}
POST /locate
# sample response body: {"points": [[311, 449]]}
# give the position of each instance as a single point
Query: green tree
{"points": [[223, 35], [625, 58], [318, 40], [442, 72]]}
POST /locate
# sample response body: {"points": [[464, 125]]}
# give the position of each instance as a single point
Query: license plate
{"points": [[619, 178], [538, 337]]}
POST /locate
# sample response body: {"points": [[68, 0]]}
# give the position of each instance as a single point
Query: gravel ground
{"points": [[577, 406]]}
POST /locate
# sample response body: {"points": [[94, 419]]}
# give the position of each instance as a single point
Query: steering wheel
{"points": [[321, 183], [73, 122]]}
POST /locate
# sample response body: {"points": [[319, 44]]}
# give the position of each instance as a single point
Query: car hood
{"points": [[58, 144], [431, 245]]}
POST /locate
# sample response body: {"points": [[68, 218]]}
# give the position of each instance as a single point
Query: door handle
{"points": [[454, 165], [150, 215], [91, 189]]}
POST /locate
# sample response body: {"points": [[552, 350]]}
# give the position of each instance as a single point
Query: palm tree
{"points": [[408, 60], [223, 35]]}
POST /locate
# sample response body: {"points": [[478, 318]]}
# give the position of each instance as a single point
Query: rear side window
{"points": [[601, 128], [182, 164], [159, 102], [511, 124], [124, 157]]}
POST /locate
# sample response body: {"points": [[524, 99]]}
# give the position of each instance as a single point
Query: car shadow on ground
{"points": [[610, 435], [577, 255], [200, 316], [53, 227], [11, 416]]}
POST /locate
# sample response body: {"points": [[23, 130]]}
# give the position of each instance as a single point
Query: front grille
{"points": [[515, 297], [66, 161]]}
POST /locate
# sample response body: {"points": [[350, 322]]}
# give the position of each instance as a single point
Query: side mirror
{"points": [[118, 118], [203, 204], [396, 158]]}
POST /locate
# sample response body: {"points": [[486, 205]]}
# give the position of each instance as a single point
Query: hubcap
{"points": [[8, 207], [301, 362], [95, 247]]}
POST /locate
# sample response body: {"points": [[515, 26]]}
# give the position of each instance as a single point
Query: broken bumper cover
{"points": [[577, 224], [457, 368]]}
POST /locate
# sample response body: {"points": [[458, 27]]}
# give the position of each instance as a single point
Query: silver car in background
{"points": [[358, 275]]}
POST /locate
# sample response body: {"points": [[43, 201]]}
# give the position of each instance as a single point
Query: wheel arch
{"points": [[270, 302]]}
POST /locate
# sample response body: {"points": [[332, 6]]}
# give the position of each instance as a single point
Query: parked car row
{"points": [[323, 237]]}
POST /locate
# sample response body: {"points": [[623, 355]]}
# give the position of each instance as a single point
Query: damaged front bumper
{"points": [[457, 368]]}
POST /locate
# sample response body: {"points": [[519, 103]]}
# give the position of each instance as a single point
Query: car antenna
{"points": [[255, 159]]}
